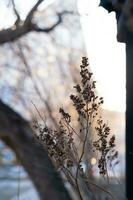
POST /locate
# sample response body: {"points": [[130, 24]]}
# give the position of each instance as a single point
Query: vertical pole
{"points": [[129, 117]]}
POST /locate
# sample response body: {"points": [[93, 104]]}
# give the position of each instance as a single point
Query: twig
{"points": [[38, 113], [78, 167], [101, 188], [16, 13]]}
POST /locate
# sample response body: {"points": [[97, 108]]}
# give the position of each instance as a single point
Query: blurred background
{"points": [[42, 65]]}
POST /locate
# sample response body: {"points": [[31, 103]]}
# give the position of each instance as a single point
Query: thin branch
{"points": [[74, 131], [48, 29], [32, 11], [39, 113], [73, 146], [69, 172], [16, 13], [29, 72], [101, 189]]}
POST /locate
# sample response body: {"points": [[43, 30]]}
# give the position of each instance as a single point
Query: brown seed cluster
{"points": [[104, 145], [60, 143], [86, 93]]}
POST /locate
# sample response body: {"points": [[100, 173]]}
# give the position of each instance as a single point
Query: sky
{"points": [[106, 55]]}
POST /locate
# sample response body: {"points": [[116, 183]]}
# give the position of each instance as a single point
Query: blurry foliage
{"points": [[32, 60], [62, 144]]}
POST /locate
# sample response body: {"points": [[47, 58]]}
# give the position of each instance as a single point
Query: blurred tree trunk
{"points": [[16, 133], [129, 115]]}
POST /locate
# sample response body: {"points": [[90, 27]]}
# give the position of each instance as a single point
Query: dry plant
{"points": [[70, 157]]}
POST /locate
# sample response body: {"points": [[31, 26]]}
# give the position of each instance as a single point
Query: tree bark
{"points": [[16, 132], [11, 34]]}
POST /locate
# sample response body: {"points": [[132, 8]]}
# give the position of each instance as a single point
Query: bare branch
{"points": [[59, 21], [15, 32], [16, 13], [29, 73], [31, 13]]}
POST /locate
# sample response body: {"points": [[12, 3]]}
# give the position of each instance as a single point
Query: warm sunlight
{"points": [[106, 55], [62, 99]]}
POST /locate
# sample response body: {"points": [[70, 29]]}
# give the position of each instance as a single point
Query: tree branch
{"points": [[16, 132], [18, 30], [59, 21], [16, 13], [32, 11]]}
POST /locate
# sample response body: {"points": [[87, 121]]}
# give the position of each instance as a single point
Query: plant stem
{"points": [[82, 154]]}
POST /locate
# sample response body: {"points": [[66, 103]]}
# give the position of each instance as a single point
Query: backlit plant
{"points": [[61, 144]]}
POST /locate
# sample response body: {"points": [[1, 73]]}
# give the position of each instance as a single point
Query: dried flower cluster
{"points": [[104, 145], [86, 101], [61, 144]]}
